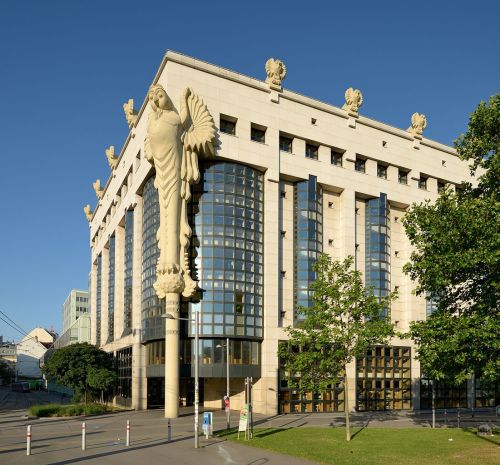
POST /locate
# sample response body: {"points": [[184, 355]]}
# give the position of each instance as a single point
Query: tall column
{"points": [[172, 356]]}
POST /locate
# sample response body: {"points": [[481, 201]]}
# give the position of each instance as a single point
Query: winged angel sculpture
{"points": [[173, 143]]}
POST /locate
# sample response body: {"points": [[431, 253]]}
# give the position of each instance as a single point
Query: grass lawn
{"points": [[379, 446]]}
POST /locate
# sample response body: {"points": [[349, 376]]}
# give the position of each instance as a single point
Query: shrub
{"points": [[57, 410]]}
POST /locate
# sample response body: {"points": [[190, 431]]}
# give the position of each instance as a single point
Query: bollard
{"points": [[127, 443], [169, 430], [28, 440], [84, 438]]}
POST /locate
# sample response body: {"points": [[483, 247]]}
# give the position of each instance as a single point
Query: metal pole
{"points": [[84, 439], [28, 440], [127, 443], [228, 414], [169, 430], [196, 379]]}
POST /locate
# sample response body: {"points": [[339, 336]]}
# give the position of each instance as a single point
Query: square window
{"points": [[441, 186], [422, 183], [312, 151], [258, 134], [228, 125], [360, 165], [381, 171], [336, 158], [402, 177], [286, 143]]}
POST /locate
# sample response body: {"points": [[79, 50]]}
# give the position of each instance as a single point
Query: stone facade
{"points": [[272, 147]]}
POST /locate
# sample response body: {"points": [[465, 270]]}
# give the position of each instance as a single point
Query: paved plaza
{"points": [[57, 441]]}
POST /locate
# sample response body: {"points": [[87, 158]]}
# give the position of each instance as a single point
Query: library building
{"points": [[217, 205]]}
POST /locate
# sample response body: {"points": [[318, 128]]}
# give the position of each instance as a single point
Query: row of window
{"points": [[258, 134], [82, 299]]}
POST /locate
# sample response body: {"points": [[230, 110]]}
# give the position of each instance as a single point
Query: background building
{"points": [[31, 350], [76, 321], [292, 177]]}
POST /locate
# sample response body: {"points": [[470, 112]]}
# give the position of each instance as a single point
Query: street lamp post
{"points": [[196, 321], [228, 408]]}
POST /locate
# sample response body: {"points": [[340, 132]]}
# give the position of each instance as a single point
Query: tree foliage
{"points": [[6, 372], [343, 322], [456, 259], [79, 367]]}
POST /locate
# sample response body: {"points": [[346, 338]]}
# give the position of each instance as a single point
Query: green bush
{"points": [[57, 410], [44, 410]]}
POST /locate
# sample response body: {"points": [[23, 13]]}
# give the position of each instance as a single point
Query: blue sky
{"points": [[66, 67]]}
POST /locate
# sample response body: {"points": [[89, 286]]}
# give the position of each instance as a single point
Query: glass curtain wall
{"points": [[128, 272], [152, 307], [111, 290], [124, 365], [227, 208], [308, 239], [98, 302], [378, 253]]}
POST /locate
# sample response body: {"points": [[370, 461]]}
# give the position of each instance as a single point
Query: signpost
{"points": [[243, 424]]}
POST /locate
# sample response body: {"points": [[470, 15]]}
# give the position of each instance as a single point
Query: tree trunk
{"points": [[346, 407], [433, 403]]}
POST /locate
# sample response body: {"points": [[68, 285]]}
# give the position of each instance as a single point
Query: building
{"points": [[75, 305], [75, 318], [290, 177], [30, 352]]}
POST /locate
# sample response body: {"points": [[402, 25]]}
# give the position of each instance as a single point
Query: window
{"points": [[258, 134], [402, 177], [422, 182], [312, 151], [441, 186], [381, 171], [336, 158], [360, 164], [286, 143], [228, 125]]}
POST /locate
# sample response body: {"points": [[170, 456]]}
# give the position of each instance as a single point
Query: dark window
{"points": [[422, 183], [336, 158], [403, 177], [383, 379], [381, 171], [286, 144], [258, 134], [360, 164], [441, 186], [227, 125], [312, 151]]}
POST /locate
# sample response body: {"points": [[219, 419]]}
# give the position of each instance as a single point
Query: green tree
{"points": [[71, 366], [6, 372], [456, 259], [101, 379], [343, 322]]}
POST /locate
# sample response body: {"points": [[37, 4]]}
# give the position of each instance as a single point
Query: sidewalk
{"points": [[57, 441]]}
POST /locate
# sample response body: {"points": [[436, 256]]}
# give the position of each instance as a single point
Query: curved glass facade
{"points": [[227, 249], [111, 290], [128, 271], [151, 306], [308, 235], [378, 252], [98, 301]]}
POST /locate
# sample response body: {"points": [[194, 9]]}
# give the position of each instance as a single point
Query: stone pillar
{"points": [[172, 301], [139, 380]]}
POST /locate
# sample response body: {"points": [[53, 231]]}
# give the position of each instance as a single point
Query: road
{"points": [[57, 441]]}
